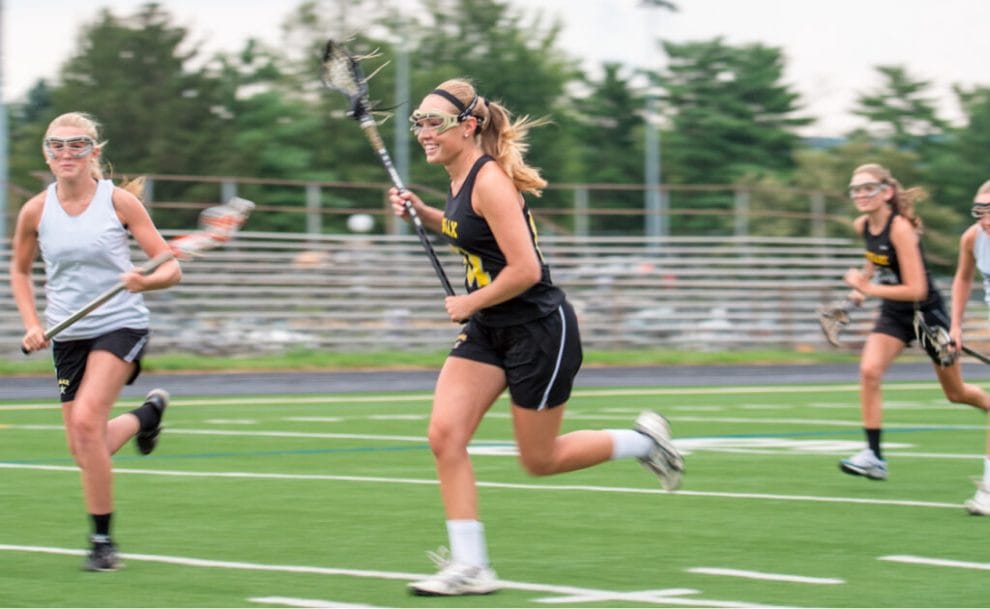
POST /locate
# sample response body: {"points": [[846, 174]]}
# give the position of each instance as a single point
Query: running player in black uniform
{"points": [[896, 272], [520, 332]]}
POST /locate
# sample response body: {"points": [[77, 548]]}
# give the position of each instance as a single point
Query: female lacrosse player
{"points": [[80, 224], [974, 253], [911, 306], [520, 332]]}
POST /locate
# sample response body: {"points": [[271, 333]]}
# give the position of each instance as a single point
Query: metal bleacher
{"points": [[274, 292]]}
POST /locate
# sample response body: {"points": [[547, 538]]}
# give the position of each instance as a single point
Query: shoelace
{"points": [[441, 558]]}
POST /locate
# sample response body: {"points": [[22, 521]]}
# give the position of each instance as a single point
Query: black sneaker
{"points": [[103, 557], [147, 439]]}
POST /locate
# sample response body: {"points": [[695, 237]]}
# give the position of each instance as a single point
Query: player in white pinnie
{"points": [[81, 225], [974, 253]]}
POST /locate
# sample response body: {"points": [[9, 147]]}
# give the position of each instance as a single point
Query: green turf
{"points": [[762, 494]]}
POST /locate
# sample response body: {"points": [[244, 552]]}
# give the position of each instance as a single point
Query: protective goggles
{"points": [[866, 189], [435, 120], [443, 121], [980, 210], [77, 146]]}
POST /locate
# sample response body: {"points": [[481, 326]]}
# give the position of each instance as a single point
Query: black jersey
{"points": [[470, 236], [880, 251]]}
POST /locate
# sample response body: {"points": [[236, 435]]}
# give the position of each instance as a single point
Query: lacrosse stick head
{"points": [[833, 318], [217, 225], [936, 340], [342, 73]]}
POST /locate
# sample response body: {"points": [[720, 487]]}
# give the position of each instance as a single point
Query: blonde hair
{"points": [[903, 200], [501, 137], [85, 122]]}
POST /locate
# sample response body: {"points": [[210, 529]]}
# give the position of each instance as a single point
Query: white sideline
{"points": [[420, 397], [498, 485], [937, 562], [661, 597]]}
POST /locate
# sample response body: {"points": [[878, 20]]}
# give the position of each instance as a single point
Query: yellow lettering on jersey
{"points": [[474, 270], [449, 227], [878, 259]]}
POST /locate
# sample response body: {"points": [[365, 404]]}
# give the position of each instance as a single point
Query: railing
{"points": [[317, 207], [274, 292]]}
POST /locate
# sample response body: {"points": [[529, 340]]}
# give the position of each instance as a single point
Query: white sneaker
{"points": [[979, 505], [663, 460], [865, 463], [455, 579]]}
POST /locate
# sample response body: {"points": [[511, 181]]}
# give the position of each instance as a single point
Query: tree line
{"points": [[726, 115]]}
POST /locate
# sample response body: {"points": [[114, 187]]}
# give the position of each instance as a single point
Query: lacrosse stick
{"points": [[938, 337], [342, 73], [216, 226], [983, 358], [834, 317]]}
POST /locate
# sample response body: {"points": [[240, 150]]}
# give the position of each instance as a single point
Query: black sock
{"points": [[873, 440], [101, 527], [148, 415]]}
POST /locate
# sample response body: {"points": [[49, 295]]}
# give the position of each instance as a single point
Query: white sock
{"points": [[986, 472], [467, 542], [629, 443]]}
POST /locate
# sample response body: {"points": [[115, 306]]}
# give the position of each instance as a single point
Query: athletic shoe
{"points": [[103, 557], [979, 505], [865, 463], [663, 459], [455, 579], [147, 439]]}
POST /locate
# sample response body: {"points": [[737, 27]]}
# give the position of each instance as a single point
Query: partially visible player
{"points": [[81, 225], [896, 272], [974, 253]]}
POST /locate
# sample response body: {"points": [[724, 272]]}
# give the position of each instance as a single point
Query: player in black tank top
{"points": [[471, 236], [895, 272], [521, 334]]}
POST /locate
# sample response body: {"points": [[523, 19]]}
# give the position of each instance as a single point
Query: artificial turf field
{"points": [[331, 501]]}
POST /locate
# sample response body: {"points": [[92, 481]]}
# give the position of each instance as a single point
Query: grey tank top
{"points": [[84, 256], [981, 251]]}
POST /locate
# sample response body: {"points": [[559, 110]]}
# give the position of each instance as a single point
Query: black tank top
{"points": [[880, 251], [470, 236]]}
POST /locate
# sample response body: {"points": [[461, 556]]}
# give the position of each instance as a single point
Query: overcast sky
{"points": [[831, 47]]}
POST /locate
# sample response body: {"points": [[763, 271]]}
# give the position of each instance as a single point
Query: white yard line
{"points": [[775, 577], [497, 485], [308, 603], [936, 562], [674, 596]]}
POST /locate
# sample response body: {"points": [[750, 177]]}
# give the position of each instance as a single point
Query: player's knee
{"points": [[537, 465], [870, 374], [956, 395], [445, 440]]}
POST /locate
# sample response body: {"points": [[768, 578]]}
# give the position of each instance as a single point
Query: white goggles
{"points": [[77, 146], [980, 210], [435, 120]]}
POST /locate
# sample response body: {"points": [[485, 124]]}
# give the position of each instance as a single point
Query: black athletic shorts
{"points": [[899, 323], [540, 357], [70, 356]]}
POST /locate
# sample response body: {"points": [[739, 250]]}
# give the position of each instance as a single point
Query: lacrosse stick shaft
{"points": [[976, 354], [215, 228], [100, 300], [375, 139]]}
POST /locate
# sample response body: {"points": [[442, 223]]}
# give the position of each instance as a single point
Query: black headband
{"points": [[463, 111]]}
